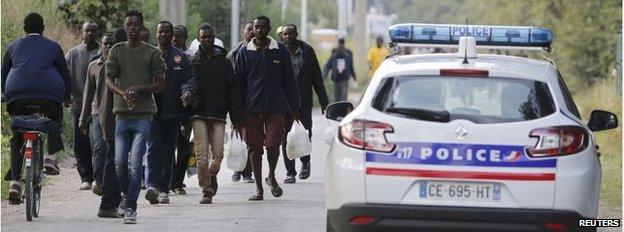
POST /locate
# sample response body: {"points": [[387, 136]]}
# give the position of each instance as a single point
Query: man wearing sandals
{"points": [[269, 92]]}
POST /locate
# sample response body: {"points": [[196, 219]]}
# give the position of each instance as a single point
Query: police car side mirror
{"points": [[602, 120], [338, 110]]}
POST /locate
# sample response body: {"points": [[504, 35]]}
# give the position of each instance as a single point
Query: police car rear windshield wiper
{"points": [[422, 114]]}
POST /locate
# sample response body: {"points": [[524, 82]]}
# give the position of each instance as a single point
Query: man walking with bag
{"points": [[269, 93], [308, 75], [247, 34]]}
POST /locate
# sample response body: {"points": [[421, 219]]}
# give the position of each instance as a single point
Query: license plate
{"points": [[469, 191]]}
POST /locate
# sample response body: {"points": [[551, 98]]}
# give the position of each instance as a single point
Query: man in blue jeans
{"points": [[135, 70], [161, 146], [89, 123]]}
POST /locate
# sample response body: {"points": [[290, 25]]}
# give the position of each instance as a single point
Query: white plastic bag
{"points": [[329, 133], [353, 84], [298, 143], [236, 153]]}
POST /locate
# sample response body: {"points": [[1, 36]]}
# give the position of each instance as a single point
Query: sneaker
{"points": [[248, 180], [236, 177], [152, 195], [121, 209], [108, 213], [15, 193], [130, 216], [180, 191], [50, 167], [290, 179], [85, 186], [163, 198], [97, 188]]}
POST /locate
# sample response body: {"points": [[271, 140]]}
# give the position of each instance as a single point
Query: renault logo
{"points": [[461, 132]]}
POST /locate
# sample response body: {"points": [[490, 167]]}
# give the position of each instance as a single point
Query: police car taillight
{"points": [[558, 141], [368, 135], [464, 72]]}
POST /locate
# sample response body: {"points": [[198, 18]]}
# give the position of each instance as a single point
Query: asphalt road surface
{"points": [[301, 208]]}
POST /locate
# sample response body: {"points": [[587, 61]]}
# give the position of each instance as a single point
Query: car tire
{"points": [[330, 228]]}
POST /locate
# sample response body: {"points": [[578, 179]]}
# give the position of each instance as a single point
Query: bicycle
{"points": [[33, 127]]}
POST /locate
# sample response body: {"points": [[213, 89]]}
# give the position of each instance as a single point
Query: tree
{"points": [[107, 14]]}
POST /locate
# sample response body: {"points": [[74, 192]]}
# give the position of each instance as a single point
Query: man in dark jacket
{"points": [[308, 74], [111, 192], [180, 34], [179, 83], [217, 94], [89, 123], [247, 34], [269, 92], [341, 66], [95, 120], [34, 72]]}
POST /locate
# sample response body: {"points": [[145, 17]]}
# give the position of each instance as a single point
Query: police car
{"points": [[464, 141]]}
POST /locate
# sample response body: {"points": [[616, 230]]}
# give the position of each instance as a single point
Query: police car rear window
{"points": [[480, 100]]}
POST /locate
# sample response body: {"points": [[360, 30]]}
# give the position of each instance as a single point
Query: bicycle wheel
{"points": [[38, 180], [29, 192]]}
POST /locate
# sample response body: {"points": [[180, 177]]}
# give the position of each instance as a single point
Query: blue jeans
{"points": [[131, 135], [161, 153], [98, 147]]}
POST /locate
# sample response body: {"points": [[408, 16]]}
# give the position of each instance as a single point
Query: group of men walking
{"points": [[131, 100]]}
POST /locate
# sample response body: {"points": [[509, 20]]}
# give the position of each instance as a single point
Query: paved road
{"points": [[301, 208]]}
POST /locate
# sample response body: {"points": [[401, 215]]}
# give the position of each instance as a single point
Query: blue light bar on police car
{"points": [[416, 33]]}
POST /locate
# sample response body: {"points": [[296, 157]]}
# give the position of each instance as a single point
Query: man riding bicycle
{"points": [[35, 80]]}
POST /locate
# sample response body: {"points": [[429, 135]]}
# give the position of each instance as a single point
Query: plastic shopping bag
{"points": [[329, 133], [298, 143], [236, 152], [353, 84]]}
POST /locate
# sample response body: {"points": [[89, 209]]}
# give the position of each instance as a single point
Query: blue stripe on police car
{"points": [[460, 155]]}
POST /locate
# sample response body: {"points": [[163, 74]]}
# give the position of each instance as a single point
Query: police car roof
{"points": [[497, 65]]}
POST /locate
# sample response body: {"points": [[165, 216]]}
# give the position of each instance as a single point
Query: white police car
{"points": [[464, 142]]}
